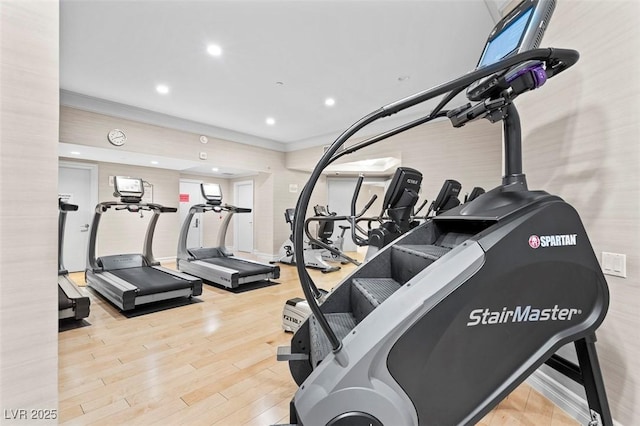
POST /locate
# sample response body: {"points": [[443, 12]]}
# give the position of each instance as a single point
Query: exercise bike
{"points": [[313, 255], [325, 233]]}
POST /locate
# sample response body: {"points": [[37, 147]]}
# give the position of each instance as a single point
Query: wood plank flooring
{"points": [[209, 363]]}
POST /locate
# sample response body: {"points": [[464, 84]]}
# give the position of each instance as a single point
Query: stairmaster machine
{"points": [[447, 320]]}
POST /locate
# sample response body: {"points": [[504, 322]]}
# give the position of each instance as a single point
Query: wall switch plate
{"points": [[203, 155], [614, 264]]}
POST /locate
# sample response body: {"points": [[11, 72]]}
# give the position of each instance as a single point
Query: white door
{"points": [[76, 185], [190, 194], [244, 221]]}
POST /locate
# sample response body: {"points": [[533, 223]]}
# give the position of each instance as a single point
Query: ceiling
{"points": [[280, 59]]}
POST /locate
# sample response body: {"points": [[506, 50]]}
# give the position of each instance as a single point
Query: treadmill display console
{"points": [[212, 192], [128, 187]]}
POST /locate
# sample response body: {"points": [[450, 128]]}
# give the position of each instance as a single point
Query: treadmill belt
{"points": [[63, 301], [244, 268], [150, 280]]}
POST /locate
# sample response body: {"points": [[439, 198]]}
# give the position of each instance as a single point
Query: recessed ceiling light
{"points": [[154, 162], [214, 169], [270, 121], [163, 89], [75, 152], [214, 50], [329, 102]]}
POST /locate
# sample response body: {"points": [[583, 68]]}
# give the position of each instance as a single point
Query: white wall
{"points": [[29, 82], [581, 136]]}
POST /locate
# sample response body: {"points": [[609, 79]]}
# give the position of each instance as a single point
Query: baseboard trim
{"points": [[265, 257], [571, 403]]}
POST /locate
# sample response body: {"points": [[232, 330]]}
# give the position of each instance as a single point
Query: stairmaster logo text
{"points": [[552, 240], [521, 314]]}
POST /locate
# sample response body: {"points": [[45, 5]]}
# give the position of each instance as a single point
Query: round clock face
{"points": [[117, 137]]}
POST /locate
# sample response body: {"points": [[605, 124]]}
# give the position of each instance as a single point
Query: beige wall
{"points": [[88, 128], [580, 137], [29, 82], [472, 155]]}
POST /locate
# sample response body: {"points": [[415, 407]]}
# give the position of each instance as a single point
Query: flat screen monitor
{"points": [[128, 187], [518, 31], [506, 41], [211, 192], [404, 179]]}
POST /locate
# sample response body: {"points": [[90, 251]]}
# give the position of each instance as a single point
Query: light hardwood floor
{"points": [[210, 363]]}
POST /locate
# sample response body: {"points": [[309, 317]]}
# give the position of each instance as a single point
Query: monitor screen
{"points": [[518, 31], [507, 40], [128, 187], [212, 191]]}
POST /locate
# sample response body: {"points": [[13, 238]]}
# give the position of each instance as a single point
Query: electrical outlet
{"points": [[614, 264], [203, 155]]}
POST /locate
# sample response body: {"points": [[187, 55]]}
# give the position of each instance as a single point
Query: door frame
{"points": [[201, 228], [93, 185], [235, 222], [93, 168]]}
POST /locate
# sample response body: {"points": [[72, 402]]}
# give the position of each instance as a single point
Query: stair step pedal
{"points": [[428, 251], [368, 293], [284, 354], [376, 290]]}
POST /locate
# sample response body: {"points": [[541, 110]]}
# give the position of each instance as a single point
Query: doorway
{"points": [[77, 184], [243, 222]]}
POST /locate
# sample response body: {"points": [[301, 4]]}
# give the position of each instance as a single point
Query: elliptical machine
{"points": [[451, 317]]}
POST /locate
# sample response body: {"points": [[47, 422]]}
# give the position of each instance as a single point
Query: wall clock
{"points": [[117, 137]]}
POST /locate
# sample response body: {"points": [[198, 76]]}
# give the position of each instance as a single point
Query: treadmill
{"points": [[131, 280], [217, 264], [72, 303]]}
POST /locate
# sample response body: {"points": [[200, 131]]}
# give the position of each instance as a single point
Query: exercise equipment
{"points": [[325, 233], [218, 265], [296, 310], [475, 193], [394, 219], [313, 254], [447, 198], [131, 280], [72, 302], [448, 319]]}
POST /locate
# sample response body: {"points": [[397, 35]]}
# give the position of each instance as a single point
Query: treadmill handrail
{"points": [[183, 252], [63, 208], [147, 253], [556, 61]]}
